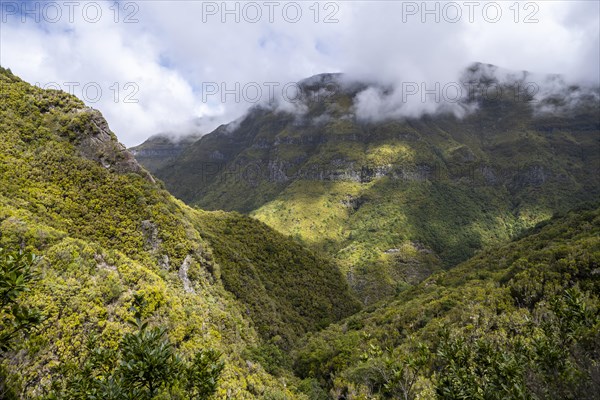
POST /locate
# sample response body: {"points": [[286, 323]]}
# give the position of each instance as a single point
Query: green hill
{"points": [[395, 200], [108, 234], [520, 321]]}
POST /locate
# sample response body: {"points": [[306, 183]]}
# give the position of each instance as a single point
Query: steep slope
{"points": [[397, 199], [520, 321], [160, 150], [108, 233], [288, 291]]}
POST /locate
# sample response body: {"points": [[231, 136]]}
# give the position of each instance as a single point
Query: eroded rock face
{"points": [[277, 171], [535, 175], [99, 144], [353, 203], [150, 232], [183, 274]]}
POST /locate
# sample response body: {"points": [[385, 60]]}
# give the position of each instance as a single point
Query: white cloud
{"points": [[176, 49]]}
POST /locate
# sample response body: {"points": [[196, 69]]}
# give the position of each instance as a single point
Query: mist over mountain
{"points": [[393, 193], [159, 60], [443, 254], [380, 99], [321, 200]]}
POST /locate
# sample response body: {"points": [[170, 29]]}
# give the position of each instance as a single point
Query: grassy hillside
{"points": [[395, 200], [521, 321], [109, 234], [288, 291]]}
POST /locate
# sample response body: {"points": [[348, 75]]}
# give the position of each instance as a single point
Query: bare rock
{"points": [[99, 144]]}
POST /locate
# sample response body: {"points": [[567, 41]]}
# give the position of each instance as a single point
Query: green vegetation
{"points": [[107, 234], [521, 321], [275, 278], [394, 201], [16, 319], [146, 366], [16, 276], [134, 295]]}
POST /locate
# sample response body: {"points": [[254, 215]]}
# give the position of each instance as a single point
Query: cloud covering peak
{"points": [[159, 66]]}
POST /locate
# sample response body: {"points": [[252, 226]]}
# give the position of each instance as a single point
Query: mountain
{"points": [[519, 321], [161, 149], [395, 199], [111, 237], [516, 320]]}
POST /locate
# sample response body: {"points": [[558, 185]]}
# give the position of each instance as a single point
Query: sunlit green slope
{"points": [[108, 232], [396, 199], [520, 321]]}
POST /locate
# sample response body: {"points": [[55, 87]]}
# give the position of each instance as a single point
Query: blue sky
{"points": [[145, 64]]}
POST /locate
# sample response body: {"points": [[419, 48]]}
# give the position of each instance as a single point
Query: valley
{"points": [[417, 259], [394, 200]]}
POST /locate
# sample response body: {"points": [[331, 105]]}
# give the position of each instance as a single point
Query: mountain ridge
{"points": [[357, 188], [518, 319]]}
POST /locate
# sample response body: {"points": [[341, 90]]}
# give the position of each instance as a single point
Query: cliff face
{"points": [[98, 143]]}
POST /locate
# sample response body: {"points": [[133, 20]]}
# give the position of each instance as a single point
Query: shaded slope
{"points": [[275, 277]]}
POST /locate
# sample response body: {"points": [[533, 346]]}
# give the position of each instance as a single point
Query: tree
{"points": [[145, 366], [15, 277], [403, 373], [148, 360], [16, 319], [202, 375]]}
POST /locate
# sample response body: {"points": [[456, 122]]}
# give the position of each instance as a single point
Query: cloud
{"points": [[176, 51]]}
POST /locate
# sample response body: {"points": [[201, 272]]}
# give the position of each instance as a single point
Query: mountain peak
{"points": [[322, 79], [98, 143]]}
